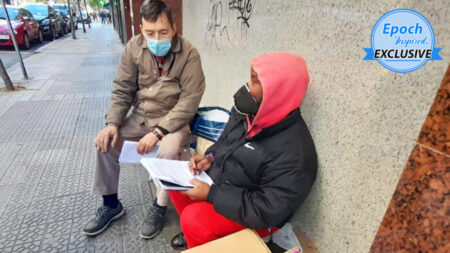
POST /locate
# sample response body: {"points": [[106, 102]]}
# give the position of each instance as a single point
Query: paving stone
{"points": [[87, 249], [9, 223], [58, 243], [113, 233], [34, 219], [58, 228], [27, 247], [41, 205], [30, 234], [114, 246], [8, 238], [80, 241], [7, 250]]}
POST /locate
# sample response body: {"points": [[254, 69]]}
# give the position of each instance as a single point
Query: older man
{"points": [[160, 74]]}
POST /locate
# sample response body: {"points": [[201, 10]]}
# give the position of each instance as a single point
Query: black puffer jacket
{"points": [[260, 182]]}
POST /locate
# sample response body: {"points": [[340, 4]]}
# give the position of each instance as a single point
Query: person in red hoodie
{"points": [[263, 165]]}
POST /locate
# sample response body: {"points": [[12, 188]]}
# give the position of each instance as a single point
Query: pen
{"points": [[209, 157]]}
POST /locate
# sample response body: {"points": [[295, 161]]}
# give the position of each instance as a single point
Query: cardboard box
{"points": [[244, 241], [307, 245]]}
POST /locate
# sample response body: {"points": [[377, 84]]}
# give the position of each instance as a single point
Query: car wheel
{"points": [[25, 41], [66, 30], [40, 37], [61, 32], [51, 34]]}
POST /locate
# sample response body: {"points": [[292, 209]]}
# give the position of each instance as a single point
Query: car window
{"points": [[38, 11], [12, 12], [28, 13], [24, 13]]}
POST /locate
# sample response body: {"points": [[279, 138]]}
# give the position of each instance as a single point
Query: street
{"points": [[9, 55]]}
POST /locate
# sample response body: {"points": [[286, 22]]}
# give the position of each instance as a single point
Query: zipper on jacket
{"points": [[239, 144]]}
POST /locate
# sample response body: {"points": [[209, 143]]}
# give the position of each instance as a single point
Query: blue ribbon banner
{"points": [[370, 54]]}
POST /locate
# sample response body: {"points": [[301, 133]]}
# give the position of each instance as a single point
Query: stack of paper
{"points": [[173, 174], [129, 153]]}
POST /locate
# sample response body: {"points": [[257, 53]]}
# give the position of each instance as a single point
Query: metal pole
{"points": [[87, 14], [112, 10], [5, 77], [81, 16], [13, 37], [72, 25]]}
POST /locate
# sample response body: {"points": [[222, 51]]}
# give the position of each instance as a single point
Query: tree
{"points": [[5, 77], [97, 3]]}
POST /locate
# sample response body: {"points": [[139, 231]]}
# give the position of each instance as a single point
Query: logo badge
{"points": [[402, 41], [247, 145]]}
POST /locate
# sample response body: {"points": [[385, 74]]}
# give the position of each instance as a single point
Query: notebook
{"points": [[173, 174]]}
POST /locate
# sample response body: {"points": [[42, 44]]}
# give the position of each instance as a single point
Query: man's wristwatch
{"points": [[113, 124], [157, 134]]}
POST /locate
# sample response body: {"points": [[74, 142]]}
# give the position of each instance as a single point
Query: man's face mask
{"points": [[159, 47], [244, 102]]}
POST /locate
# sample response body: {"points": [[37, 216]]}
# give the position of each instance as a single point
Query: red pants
{"points": [[201, 223]]}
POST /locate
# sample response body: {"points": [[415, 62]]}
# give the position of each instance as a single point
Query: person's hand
{"points": [[103, 137], [199, 163], [147, 143], [199, 192]]}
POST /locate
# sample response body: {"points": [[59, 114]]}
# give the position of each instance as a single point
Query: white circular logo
{"points": [[402, 41]]}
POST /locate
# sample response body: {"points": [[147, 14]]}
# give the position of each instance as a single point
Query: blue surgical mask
{"points": [[159, 47]]}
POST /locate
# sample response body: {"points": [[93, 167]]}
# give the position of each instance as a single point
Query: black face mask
{"points": [[244, 102]]}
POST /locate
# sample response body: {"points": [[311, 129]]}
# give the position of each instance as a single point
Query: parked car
{"points": [[58, 7], [86, 18], [65, 21], [49, 22], [25, 27], [65, 10]]}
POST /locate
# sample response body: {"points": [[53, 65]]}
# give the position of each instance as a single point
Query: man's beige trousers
{"points": [[107, 169]]}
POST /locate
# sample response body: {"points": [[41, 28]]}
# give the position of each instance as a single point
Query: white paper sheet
{"points": [[130, 155], [173, 171]]}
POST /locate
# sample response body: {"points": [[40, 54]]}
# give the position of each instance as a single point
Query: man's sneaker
{"points": [[103, 217], [154, 222]]}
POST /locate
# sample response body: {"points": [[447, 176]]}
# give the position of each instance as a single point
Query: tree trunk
{"points": [[5, 77]]}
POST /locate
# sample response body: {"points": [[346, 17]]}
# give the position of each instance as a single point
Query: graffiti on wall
{"points": [[245, 10], [228, 21]]}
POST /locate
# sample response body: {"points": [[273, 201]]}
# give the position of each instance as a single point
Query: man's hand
{"points": [[199, 163], [103, 137], [147, 143], [199, 192]]}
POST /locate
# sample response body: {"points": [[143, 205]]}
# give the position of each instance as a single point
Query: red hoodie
{"points": [[284, 79]]}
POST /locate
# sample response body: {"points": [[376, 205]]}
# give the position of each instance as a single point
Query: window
{"points": [[28, 13], [13, 13], [37, 10], [24, 14]]}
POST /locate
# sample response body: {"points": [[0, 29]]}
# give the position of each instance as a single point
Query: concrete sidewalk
{"points": [[47, 153]]}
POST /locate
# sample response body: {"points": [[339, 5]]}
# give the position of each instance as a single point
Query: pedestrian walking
{"points": [[102, 16]]}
